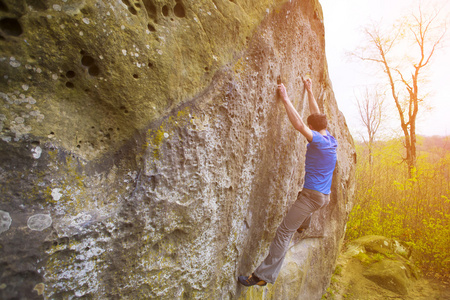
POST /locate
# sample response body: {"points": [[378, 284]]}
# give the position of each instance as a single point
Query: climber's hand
{"points": [[282, 92], [308, 83]]}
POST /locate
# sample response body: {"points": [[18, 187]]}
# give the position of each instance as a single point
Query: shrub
{"points": [[414, 209]]}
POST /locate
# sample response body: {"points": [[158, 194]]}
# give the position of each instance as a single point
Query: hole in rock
{"points": [[150, 8], [150, 27], [150, 65], [35, 143], [130, 7], [70, 74], [3, 6], [82, 52], [94, 71], [132, 10], [125, 110], [138, 5], [136, 76], [11, 26], [87, 61], [78, 146], [179, 10], [126, 2], [70, 85], [38, 4], [165, 10]]}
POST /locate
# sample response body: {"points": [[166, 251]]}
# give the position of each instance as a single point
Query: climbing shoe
{"points": [[251, 280]]}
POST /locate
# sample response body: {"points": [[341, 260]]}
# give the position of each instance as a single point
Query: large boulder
{"points": [[385, 261], [143, 151], [375, 267], [390, 274]]}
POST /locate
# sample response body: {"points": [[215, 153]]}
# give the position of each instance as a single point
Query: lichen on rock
{"points": [[5, 221]]}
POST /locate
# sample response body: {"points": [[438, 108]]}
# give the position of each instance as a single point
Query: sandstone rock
{"points": [[384, 261], [374, 275], [144, 154], [390, 274], [381, 244]]}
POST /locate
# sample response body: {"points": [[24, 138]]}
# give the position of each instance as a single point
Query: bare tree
{"points": [[370, 108], [422, 34]]}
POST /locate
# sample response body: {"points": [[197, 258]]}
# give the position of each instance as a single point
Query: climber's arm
{"points": [[293, 115], [313, 107]]}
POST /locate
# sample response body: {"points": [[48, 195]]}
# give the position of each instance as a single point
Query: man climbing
{"points": [[319, 166]]}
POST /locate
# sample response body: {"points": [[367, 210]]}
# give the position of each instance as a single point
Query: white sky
{"points": [[344, 21]]}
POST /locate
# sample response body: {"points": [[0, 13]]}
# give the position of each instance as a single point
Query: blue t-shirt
{"points": [[320, 162]]}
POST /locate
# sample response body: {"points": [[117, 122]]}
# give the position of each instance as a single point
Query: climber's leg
{"points": [[305, 224], [307, 202]]}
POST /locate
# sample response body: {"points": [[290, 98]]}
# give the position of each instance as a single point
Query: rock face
{"points": [[376, 267], [144, 154]]}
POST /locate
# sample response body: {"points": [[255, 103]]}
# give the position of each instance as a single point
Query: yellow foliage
{"points": [[415, 210]]}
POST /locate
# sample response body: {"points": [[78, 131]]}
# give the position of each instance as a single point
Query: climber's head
{"points": [[317, 122]]}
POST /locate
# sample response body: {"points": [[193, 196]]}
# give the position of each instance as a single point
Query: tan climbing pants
{"points": [[308, 201]]}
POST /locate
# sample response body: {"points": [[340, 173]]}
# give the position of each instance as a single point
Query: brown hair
{"points": [[317, 121]]}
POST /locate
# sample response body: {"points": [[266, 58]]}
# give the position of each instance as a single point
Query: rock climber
{"points": [[319, 166]]}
